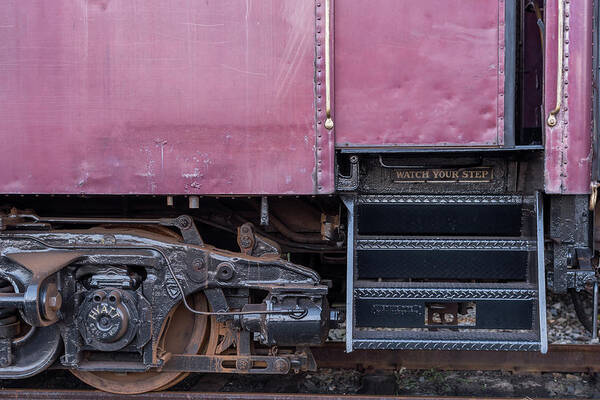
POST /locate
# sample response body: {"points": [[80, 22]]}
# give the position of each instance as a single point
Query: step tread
{"points": [[442, 285], [403, 334], [444, 199], [445, 243], [448, 293], [447, 345]]}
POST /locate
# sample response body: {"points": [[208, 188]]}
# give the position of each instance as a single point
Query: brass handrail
{"points": [[559, 79], [329, 121]]}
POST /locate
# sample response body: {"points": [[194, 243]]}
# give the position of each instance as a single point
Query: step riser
{"points": [[397, 313], [440, 219], [443, 264]]}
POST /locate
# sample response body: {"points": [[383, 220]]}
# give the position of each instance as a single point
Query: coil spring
{"points": [[9, 317]]}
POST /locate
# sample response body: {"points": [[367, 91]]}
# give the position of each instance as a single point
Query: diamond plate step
{"points": [[448, 294], [408, 255]]}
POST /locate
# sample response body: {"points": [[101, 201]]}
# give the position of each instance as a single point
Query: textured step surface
{"points": [[445, 272]]}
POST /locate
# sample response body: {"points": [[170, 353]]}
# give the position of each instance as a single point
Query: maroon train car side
{"points": [[211, 186]]}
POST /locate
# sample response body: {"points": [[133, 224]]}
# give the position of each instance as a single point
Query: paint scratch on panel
{"points": [[195, 174], [161, 143], [202, 25], [241, 71]]}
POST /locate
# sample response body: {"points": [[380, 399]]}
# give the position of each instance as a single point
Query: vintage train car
{"points": [[210, 186]]}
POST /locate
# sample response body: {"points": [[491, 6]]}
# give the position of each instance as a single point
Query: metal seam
{"points": [[501, 74], [319, 82], [565, 97]]}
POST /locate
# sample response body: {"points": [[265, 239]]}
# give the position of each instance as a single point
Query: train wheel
{"points": [[182, 333]]}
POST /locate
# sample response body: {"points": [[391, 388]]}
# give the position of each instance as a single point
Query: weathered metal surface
{"points": [[431, 75], [110, 309], [160, 97], [567, 213], [569, 142], [93, 395], [560, 358]]}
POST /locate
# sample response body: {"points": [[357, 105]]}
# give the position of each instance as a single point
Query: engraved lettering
{"points": [[455, 175], [396, 309], [93, 314]]}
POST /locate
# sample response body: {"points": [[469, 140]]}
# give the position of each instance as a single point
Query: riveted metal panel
{"points": [[568, 155], [162, 97], [426, 73]]}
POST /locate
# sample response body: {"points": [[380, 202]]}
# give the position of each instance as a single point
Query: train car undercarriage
{"points": [[132, 305], [113, 296]]}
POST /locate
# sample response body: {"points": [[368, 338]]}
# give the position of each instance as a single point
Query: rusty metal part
{"points": [[28, 219], [437, 314], [183, 332], [253, 244], [330, 226], [289, 233], [233, 364], [245, 239], [560, 358], [294, 236]]}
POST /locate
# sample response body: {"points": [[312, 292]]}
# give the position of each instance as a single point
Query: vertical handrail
{"points": [[349, 203], [560, 67], [541, 272], [329, 121]]}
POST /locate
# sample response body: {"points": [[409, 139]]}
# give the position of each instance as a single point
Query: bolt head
{"points": [[281, 365], [245, 242], [242, 364]]}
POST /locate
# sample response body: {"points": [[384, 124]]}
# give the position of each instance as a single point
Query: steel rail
{"points": [[560, 358], [96, 395]]}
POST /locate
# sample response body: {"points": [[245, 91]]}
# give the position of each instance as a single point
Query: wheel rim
{"points": [[182, 333]]}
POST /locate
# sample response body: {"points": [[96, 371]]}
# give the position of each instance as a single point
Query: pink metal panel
{"points": [[569, 144], [160, 96], [419, 73]]}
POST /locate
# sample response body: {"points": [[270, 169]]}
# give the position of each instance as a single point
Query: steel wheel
{"points": [[183, 332]]}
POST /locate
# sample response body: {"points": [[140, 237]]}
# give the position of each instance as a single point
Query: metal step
{"points": [[444, 258], [417, 263], [444, 344], [442, 215]]}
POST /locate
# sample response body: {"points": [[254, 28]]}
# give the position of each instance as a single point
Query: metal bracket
{"points": [[350, 182], [253, 244], [264, 211]]}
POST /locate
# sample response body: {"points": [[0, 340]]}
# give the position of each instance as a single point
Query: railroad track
{"points": [[560, 358], [94, 395]]}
